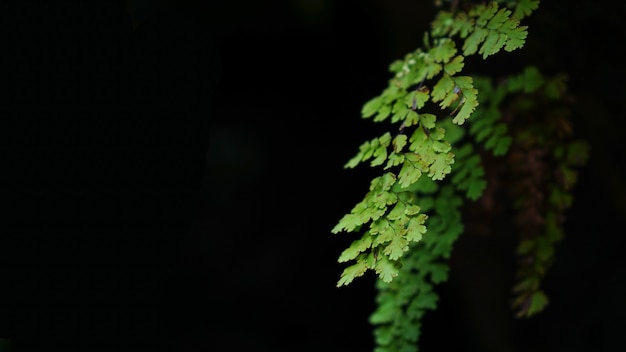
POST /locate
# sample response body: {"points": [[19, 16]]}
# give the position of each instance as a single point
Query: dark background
{"points": [[170, 178]]}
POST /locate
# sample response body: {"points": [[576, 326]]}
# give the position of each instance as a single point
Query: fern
{"points": [[432, 164], [403, 302], [420, 147], [542, 165]]}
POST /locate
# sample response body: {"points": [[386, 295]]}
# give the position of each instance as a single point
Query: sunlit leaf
{"points": [[356, 248], [371, 107]]}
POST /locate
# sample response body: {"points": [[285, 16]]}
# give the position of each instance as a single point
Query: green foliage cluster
{"points": [[432, 164], [402, 302], [542, 172], [390, 212]]}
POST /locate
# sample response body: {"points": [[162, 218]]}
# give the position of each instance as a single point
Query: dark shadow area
{"points": [[170, 178], [104, 137]]}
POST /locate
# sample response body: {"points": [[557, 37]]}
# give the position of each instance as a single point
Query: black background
{"points": [[172, 187]]}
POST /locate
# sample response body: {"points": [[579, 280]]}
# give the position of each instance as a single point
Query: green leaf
{"points": [[538, 301], [421, 146], [475, 188], [386, 235], [498, 132], [399, 142], [396, 66], [532, 79], [443, 51], [498, 20], [397, 212], [391, 94], [468, 106], [416, 228], [356, 248], [379, 227], [384, 336], [474, 40], [385, 313], [381, 200], [493, 43], [354, 161], [394, 159], [386, 269], [441, 167], [383, 112], [388, 179], [352, 272], [396, 248], [412, 209], [454, 66], [411, 119], [416, 100], [380, 155], [462, 25], [409, 173], [427, 301], [465, 83], [427, 120], [441, 146], [348, 223], [502, 146], [516, 39], [442, 23], [431, 69], [371, 107], [486, 13], [524, 8], [365, 152], [385, 139], [400, 112], [443, 88], [439, 272], [371, 213]]}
